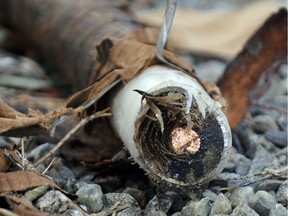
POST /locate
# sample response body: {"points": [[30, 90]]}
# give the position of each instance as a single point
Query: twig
{"points": [[269, 106], [71, 132], [6, 212], [281, 173], [48, 167]]}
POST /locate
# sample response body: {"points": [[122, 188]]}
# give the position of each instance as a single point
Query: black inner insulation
{"points": [[156, 148]]}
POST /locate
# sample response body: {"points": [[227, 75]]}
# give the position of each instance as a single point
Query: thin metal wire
{"points": [[164, 32]]}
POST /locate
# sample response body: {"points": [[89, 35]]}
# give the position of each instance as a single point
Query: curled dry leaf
{"points": [[124, 59], [22, 206], [14, 123], [22, 180], [4, 161]]}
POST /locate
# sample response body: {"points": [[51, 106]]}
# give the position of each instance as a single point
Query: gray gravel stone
{"points": [[71, 212], [260, 163], [53, 202], [122, 198], [262, 123], [270, 185], [241, 195], [262, 202], [209, 194], [155, 213], [221, 205], [243, 210], [278, 210], [282, 193], [279, 138], [91, 196], [200, 208], [36, 192], [159, 203], [137, 194], [39, 151], [282, 121], [242, 164], [133, 211]]}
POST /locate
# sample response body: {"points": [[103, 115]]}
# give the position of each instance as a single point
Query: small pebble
{"points": [[282, 193], [137, 194], [39, 151], [260, 163], [53, 202], [242, 164], [282, 121], [270, 185], [71, 212], [262, 202], [244, 210], [200, 208], [262, 123], [209, 194], [90, 195], [221, 205], [241, 195], [155, 213], [278, 210], [133, 211], [279, 138], [121, 198], [36, 192], [159, 203]]}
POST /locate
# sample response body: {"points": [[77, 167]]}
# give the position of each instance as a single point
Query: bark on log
{"points": [[66, 31]]}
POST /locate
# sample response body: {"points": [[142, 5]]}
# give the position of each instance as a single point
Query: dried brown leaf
{"points": [[123, 59], [262, 55], [14, 123], [22, 206], [212, 32], [4, 161], [22, 180]]}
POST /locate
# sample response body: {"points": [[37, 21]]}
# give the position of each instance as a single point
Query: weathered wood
{"points": [[261, 56], [65, 32]]}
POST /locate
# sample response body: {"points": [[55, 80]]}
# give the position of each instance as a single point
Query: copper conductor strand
{"points": [[185, 140]]}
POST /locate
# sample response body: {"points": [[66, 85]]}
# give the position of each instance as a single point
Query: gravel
{"points": [[244, 188], [53, 202], [241, 195], [263, 123], [159, 203], [199, 208], [91, 196], [282, 193], [122, 199], [243, 210], [278, 210], [262, 202], [221, 205]]}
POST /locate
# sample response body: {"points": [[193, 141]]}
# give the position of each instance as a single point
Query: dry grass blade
{"points": [[22, 180]]}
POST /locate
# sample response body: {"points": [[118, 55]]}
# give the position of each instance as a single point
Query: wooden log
{"points": [[65, 32], [245, 77]]}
